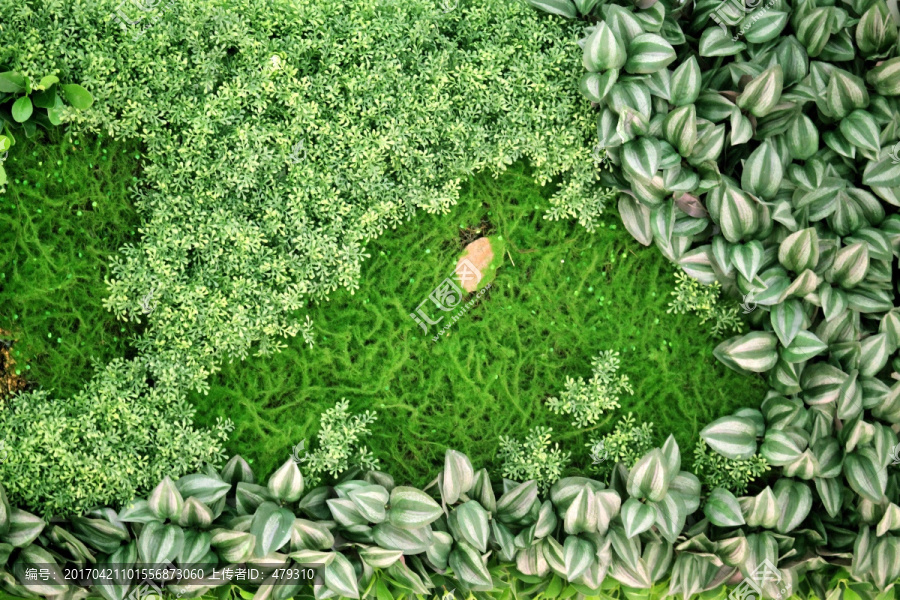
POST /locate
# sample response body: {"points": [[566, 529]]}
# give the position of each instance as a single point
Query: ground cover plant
{"points": [[764, 160], [568, 297], [66, 211]]}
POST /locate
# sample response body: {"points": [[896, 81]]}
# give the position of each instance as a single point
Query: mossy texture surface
{"points": [[560, 297], [66, 209]]}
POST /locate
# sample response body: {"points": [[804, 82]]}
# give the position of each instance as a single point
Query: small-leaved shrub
{"points": [[734, 475], [706, 302], [587, 401], [536, 458], [341, 444]]}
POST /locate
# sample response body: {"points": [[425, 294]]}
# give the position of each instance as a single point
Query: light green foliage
{"points": [[705, 301], [586, 401], [340, 444], [714, 470], [625, 444], [537, 458], [106, 442]]}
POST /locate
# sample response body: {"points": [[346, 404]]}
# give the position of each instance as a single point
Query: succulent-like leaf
{"points": [[648, 53], [412, 509], [603, 50], [472, 522], [800, 250], [722, 509], [755, 352], [649, 477], [637, 517], [762, 93]]}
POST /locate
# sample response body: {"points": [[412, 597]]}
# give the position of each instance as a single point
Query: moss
{"points": [[570, 295], [66, 209]]}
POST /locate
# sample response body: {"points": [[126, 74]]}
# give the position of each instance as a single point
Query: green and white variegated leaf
{"points": [[804, 467], [640, 158], [761, 547], [760, 510], [890, 325], [637, 517], [829, 456], [686, 83], [23, 528], [379, 558], [764, 27], [865, 475], [844, 94], [885, 78], [412, 509], [649, 477], [554, 555], [670, 516], [517, 502], [562, 8], [794, 500], [272, 528], [582, 514], [234, 546], [671, 456], [165, 501], [876, 31], [578, 555], [469, 567], [438, 552], [717, 42], [741, 127], [371, 502], [99, 534], [875, 351], [802, 138], [409, 541], [346, 513], [861, 130], [762, 93], [829, 491], [195, 514], [733, 551], [747, 258], [890, 521], [472, 521], [755, 352], [732, 437], [691, 572], [687, 486], [680, 129], [781, 447], [628, 549], [787, 319], [237, 470], [648, 53], [609, 503], [203, 488], [657, 557], [883, 172], [340, 577], [595, 86], [698, 263], [737, 214], [36, 559], [886, 561], [722, 509], [546, 521], [800, 250], [564, 491], [458, 476], [762, 171], [286, 484], [636, 218], [483, 492], [834, 301], [804, 346], [603, 50], [585, 6], [160, 543], [531, 561], [310, 535], [709, 146]]}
